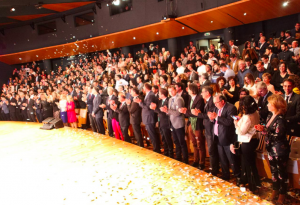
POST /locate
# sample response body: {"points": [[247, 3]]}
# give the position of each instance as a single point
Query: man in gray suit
{"points": [[148, 116], [140, 83], [177, 124]]}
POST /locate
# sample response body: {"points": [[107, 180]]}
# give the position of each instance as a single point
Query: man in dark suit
{"points": [[23, 106], [126, 76], [123, 116], [270, 54], [204, 80], [148, 116], [263, 93], [98, 111], [78, 98], [103, 92], [292, 115], [135, 116], [262, 46], [193, 74], [212, 143], [224, 131], [195, 127], [89, 102], [30, 110], [164, 122], [286, 55], [12, 107], [260, 70], [177, 120], [106, 106]]}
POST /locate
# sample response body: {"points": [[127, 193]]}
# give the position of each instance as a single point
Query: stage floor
{"points": [[73, 166]]}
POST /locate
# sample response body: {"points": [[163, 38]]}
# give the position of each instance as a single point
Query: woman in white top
{"points": [[62, 105], [250, 85], [248, 142]]}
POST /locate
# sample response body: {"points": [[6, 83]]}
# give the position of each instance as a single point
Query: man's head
{"points": [[147, 87], [268, 50], [134, 92], [121, 97], [288, 33], [294, 44], [207, 92], [179, 87], [231, 42], [223, 67], [110, 91], [155, 89], [95, 90], [242, 65], [260, 66], [288, 86], [163, 79], [219, 101], [284, 46], [163, 93], [262, 89], [172, 90], [262, 39], [193, 89]]}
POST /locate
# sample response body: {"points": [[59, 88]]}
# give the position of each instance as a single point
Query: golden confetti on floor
{"points": [[73, 166]]}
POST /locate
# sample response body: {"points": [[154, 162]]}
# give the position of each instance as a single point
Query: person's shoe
{"points": [[201, 166], [274, 194], [195, 164], [281, 198]]}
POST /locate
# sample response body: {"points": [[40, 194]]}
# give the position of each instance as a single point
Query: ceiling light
{"points": [[133, 38], [12, 9], [245, 14], [112, 42], [182, 27], [116, 2], [285, 3], [157, 33], [211, 21], [107, 4]]}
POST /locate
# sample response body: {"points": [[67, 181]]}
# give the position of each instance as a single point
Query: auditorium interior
{"points": [[149, 102]]}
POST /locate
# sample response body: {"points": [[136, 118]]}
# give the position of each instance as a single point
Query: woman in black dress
{"points": [[277, 145], [232, 94], [279, 76]]}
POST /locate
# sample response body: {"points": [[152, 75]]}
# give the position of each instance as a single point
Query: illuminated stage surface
{"points": [[73, 166]]}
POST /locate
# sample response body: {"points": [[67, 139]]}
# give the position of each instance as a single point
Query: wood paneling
{"points": [[2, 24], [66, 6], [153, 32], [29, 17]]}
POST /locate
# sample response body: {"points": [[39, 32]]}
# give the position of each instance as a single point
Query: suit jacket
{"points": [[30, 106], [123, 115], [226, 128], [98, 111], [292, 115], [208, 126], [22, 106], [185, 97], [164, 120], [89, 102], [199, 104], [177, 119], [12, 108], [194, 76], [110, 112], [206, 83], [126, 77], [135, 113], [263, 107], [148, 115], [262, 50]]}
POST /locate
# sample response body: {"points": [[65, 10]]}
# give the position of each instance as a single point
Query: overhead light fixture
{"points": [[182, 27], [133, 38], [285, 3], [112, 42], [157, 33], [211, 21], [12, 9], [107, 4], [116, 2], [245, 14]]}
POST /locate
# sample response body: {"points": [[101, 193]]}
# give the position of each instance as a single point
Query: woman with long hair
{"points": [[232, 93], [277, 145], [249, 52], [72, 119], [278, 77], [249, 84], [248, 142]]}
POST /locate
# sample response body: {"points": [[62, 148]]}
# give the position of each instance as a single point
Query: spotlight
{"points": [[157, 33], [165, 17], [285, 3], [183, 27], [211, 21], [245, 14], [116, 2], [133, 38], [12, 9]]}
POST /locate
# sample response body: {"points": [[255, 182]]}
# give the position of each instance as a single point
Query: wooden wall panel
{"points": [[65, 6], [28, 17]]}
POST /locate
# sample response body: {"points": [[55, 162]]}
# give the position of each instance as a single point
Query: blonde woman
{"points": [[267, 79], [250, 85], [72, 119], [62, 105]]}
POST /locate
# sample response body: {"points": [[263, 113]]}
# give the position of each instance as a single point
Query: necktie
{"points": [[172, 101], [287, 99], [90, 96], [216, 130]]}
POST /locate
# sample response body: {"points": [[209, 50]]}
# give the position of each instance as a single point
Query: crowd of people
{"points": [[229, 99]]}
